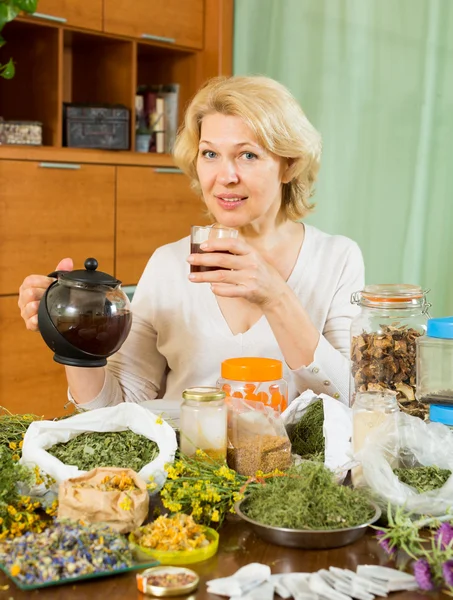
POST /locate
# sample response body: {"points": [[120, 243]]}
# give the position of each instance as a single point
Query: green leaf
{"points": [[2, 41], [7, 71], [28, 6], [8, 12]]}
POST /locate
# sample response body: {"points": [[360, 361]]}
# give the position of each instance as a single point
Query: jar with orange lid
{"points": [[255, 378], [383, 341]]}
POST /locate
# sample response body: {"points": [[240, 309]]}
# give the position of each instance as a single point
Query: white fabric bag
{"points": [[42, 435]]}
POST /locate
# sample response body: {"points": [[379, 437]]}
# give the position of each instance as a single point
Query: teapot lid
{"points": [[90, 275]]}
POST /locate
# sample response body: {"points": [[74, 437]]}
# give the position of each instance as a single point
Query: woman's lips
{"points": [[230, 202]]}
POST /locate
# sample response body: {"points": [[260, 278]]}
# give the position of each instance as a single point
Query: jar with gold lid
{"points": [[383, 341], [203, 424]]}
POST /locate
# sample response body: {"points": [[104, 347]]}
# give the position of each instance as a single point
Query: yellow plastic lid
{"points": [[251, 368]]}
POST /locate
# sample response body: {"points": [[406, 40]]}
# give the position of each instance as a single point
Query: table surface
{"points": [[239, 545]]}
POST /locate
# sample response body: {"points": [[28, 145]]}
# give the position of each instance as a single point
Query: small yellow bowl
{"points": [[177, 557]]}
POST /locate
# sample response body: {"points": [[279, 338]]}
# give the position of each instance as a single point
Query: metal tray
{"points": [[309, 539]]}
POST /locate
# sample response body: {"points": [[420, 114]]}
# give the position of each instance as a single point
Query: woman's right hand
{"points": [[32, 290]]}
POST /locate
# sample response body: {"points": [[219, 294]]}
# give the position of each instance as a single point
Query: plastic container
{"points": [[435, 363], [253, 378], [370, 409], [177, 557], [203, 424], [441, 413], [383, 340]]}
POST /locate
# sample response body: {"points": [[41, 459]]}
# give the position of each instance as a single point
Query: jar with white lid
{"points": [[383, 341], [203, 424]]}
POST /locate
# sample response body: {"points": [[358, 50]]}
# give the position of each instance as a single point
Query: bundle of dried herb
{"points": [[124, 449], [423, 479], [307, 497], [386, 360], [306, 436], [12, 430]]}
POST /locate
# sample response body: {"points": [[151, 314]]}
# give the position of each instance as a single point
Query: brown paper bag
{"points": [[122, 510]]}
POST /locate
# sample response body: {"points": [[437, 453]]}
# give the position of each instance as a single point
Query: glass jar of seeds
{"points": [[383, 342]]}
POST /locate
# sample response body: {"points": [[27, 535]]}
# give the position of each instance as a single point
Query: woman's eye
{"points": [[249, 155], [208, 154]]}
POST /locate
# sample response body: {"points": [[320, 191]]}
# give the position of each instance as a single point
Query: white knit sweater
{"points": [[179, 336]]}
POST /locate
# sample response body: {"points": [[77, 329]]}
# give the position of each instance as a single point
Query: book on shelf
{"points": [[160, 113]]}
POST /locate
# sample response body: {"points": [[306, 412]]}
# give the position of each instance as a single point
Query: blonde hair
{"points": [[276, 119]]}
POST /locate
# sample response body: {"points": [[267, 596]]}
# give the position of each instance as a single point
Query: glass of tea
{"points": [[203, 233]]}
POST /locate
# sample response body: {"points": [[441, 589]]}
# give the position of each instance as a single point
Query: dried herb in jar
{"points": [[423, 478], [307, 497], [124, 449], [386, 360]]}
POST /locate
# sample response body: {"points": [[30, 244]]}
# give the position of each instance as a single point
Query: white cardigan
{"points": [[179, 336]]}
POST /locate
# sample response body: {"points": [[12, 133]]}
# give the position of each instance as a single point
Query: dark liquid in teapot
{"points": [[96, 334], [195, 249]]}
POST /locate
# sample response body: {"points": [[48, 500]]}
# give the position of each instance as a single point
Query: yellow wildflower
{"points": [[159, 421], [215, 516], [12, 511], [15, 457], [15, 570], [126, 504], [13, 445], [21, 443]]}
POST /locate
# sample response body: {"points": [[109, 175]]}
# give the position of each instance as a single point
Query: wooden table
{"points": [[238, 546]]}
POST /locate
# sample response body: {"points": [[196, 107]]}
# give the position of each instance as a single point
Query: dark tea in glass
{"points": [[200, 234]]}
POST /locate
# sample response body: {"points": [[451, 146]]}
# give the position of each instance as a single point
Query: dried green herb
{"points": [[423, 479], [124, 449], [307, 497], [12, 430], [306, 436]]}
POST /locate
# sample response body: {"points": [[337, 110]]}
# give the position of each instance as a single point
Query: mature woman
{"points": [[284, 291]]}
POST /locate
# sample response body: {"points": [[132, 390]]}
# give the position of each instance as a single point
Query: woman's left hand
{"points": [[246, 273]]}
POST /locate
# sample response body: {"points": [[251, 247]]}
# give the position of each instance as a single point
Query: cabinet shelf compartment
{"points": [[32, 94], [98, 70]]}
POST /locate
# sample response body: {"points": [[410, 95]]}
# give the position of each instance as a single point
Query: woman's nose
{"points": [[227, 173]]}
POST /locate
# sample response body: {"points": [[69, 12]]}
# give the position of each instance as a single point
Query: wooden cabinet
{"points": [[154, 207], [77, 13], [174, 21], [30, 381], [52, 210]]}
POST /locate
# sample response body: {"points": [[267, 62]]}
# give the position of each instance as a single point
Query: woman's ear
{"points": [[288, 170]]}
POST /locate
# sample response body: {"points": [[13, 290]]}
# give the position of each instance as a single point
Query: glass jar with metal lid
{"points": [[383, 341], [203, 423]]}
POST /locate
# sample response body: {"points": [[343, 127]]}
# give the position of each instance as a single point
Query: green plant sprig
{"points": [[9, 9]]}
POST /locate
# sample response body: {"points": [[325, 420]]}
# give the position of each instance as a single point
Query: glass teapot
{"points": [[84, 316]]}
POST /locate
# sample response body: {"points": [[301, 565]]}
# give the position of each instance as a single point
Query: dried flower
{"points": [[422, 573], [385, 543], [447, 572], [444, 535]]}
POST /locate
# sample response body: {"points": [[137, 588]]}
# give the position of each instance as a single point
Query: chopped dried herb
{"points": [[423, 479], [307, 497], [306, 436], [386, 360], [124, 449]]}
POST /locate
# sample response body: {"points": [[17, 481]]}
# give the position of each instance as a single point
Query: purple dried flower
{"points": [[422, 573], [447, 570], [385, 544], [444, 534]]}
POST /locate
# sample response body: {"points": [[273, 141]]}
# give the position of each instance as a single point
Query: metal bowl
{"points": [[319, 539]]}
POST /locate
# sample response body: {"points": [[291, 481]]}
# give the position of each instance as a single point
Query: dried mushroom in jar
{"points": [[386, 360]]}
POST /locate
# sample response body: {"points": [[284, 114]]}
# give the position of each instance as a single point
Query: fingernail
{"points": [[192, 276], [190, 259], [203, 246]]}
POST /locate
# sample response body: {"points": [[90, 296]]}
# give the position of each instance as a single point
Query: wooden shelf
{"points": [[83, 155]]}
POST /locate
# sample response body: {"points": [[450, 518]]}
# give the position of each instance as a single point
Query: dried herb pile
{"points": [[124, 449], [65, 550], [307, 497], [12, 430], [306, 436], [386, 360], [423, 479]]}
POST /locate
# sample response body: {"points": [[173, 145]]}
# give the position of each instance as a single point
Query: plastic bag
{"points": [[257, 439], [123, 511], [42, 435], [411, 443], [337, 428]]}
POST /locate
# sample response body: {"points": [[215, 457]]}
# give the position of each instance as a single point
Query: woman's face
{"points": [[241, 182]]}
